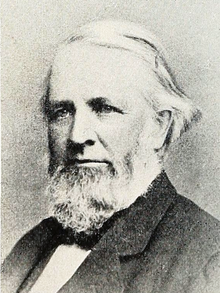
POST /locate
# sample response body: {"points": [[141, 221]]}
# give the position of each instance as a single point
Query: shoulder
{"points": [[183, 254], [194, 221], [191, 236], [26, 253], [31, 245], [37, 235], [184, 220], [189, 225]]}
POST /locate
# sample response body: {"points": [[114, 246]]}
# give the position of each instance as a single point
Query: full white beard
{"points": [[84, 198]]}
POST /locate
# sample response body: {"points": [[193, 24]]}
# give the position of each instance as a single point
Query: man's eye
{"points": [[60, 114], [105, 109]]}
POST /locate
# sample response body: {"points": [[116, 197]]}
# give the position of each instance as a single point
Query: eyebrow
{"points": [[58, 104], [103, 100]]}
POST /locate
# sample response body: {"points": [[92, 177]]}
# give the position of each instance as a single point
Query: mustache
{"points": [[81, 161], [74, 167]]}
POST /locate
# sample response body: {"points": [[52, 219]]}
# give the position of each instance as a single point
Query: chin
{"points": [[83, 198]]}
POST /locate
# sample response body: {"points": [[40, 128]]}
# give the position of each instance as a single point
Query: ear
{"points": [[164, 121]]}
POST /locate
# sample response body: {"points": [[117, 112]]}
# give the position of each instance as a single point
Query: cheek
{"points": [[121, 137], [58, 139]]}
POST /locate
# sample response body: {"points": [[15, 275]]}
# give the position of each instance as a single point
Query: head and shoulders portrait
{"points": [[108, 216]]}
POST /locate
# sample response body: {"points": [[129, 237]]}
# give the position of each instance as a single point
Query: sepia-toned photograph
{"points": [[110, 146]]}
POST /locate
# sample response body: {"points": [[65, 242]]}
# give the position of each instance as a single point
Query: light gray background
{"points": [[189, 29]]}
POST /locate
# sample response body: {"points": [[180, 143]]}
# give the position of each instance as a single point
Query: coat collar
{"points": [[134, 226]]}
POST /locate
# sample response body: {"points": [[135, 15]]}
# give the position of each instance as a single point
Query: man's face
{"points": [[99, 120], [97, 103]]}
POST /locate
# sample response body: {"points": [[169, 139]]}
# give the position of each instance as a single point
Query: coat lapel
{"points": [[100, 272], [139, 221], [30, 251]]}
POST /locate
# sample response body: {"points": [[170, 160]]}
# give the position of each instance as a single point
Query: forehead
{"points": [[81, 68]]}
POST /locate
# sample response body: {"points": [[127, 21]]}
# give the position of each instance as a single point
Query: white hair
{"points": [[165, 93]]}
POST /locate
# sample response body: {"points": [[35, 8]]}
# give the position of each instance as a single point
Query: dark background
{"points": [[189, 30]]}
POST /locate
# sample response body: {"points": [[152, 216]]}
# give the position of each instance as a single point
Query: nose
{"points": [[81, 130]]}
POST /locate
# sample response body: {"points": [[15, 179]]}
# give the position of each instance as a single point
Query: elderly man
{"points": [[117, 224]]}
